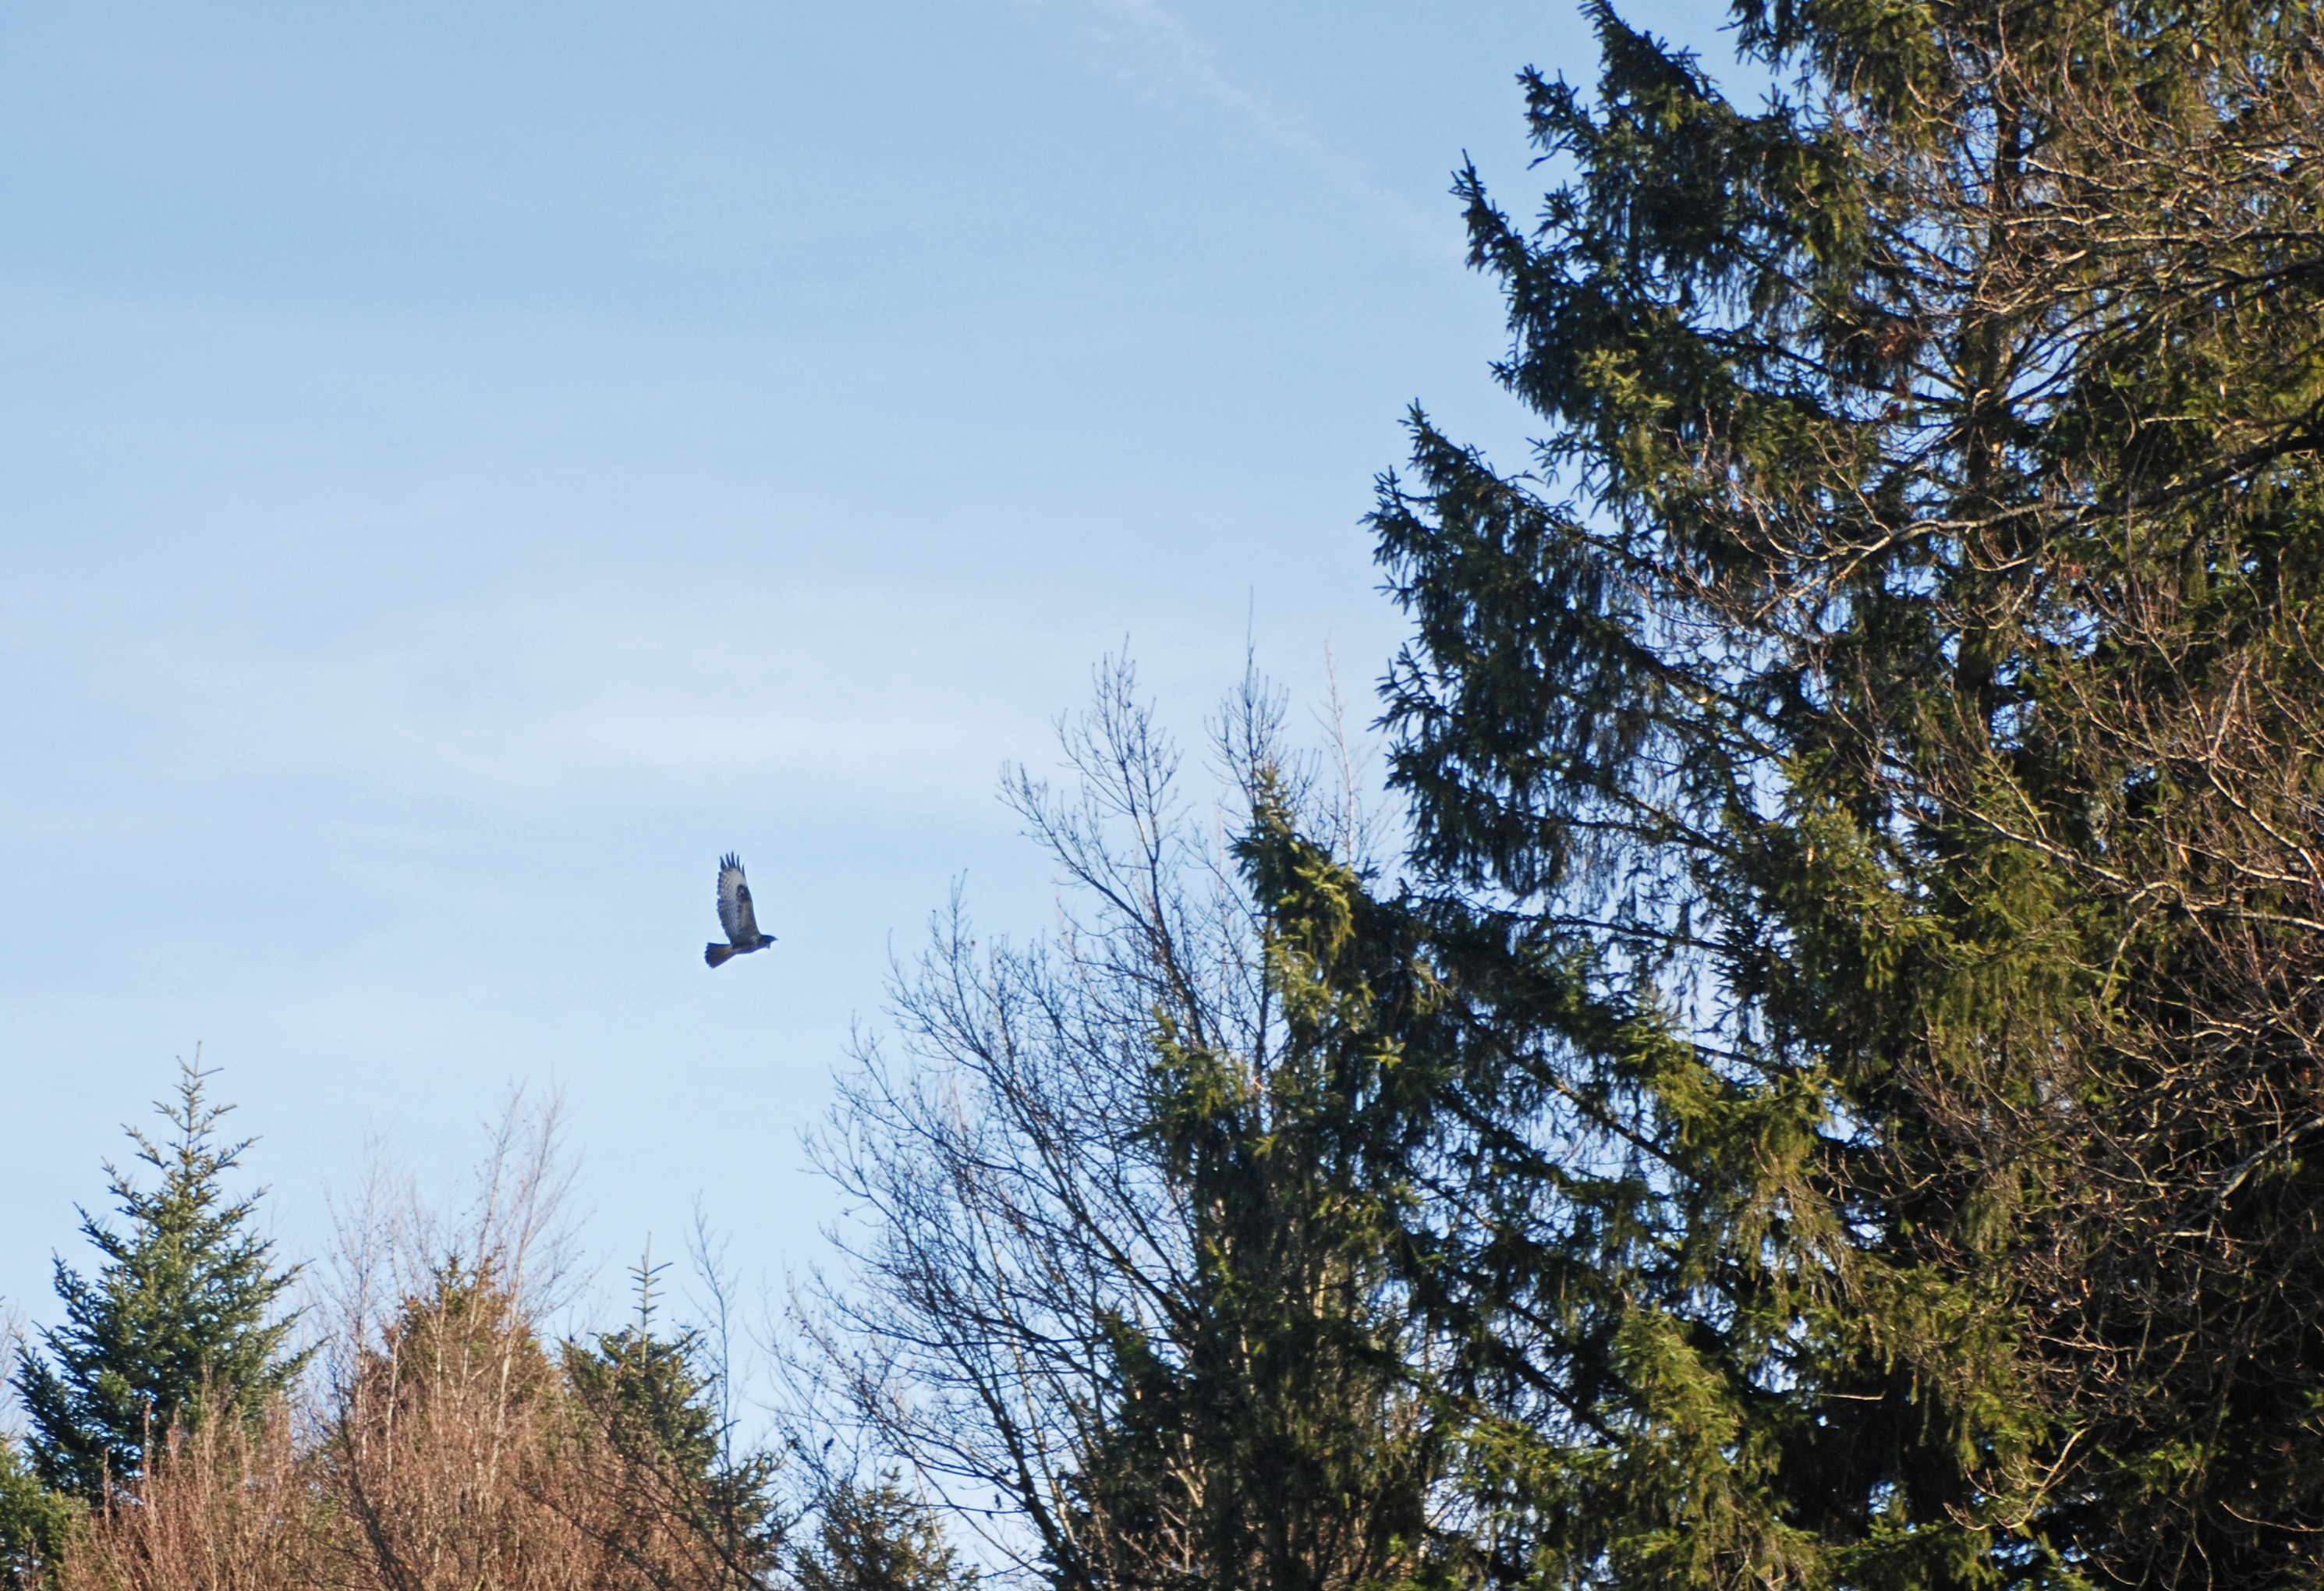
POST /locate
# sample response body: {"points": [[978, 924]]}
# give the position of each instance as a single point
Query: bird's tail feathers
{"points": [[715, 954]]}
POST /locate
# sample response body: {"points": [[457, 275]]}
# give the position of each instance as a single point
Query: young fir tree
{"points": [[179, 1324], [33, 1520], [1874, 804], [879, 1538], [651, 1398]]}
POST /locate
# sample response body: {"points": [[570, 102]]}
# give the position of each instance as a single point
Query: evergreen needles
{"points": [[1868, 787], [180, 1324]]}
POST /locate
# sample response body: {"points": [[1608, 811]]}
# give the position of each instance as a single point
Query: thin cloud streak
{"points": [[525, 697], [1157, 52]]}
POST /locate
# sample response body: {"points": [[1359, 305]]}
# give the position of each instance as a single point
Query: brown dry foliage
{"points": [[438, 1455], [456, 1459], [444, 1449], [229, 1506]]}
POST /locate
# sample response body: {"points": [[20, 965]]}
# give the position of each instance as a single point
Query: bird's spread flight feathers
{"points": [[735, 913]]}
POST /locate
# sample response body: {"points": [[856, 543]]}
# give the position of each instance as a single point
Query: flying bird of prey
{"points": [[734, 916]]}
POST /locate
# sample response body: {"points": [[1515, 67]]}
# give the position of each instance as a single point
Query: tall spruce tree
{"points": [[180, 1324], [1872, 778]]}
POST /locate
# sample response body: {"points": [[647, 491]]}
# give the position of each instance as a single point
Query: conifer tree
{"points": [[1869, 773], [181, 1322], [650, 1396], [33, 1520], [1269, 1431], [879, 1537], [1132, 1198]]}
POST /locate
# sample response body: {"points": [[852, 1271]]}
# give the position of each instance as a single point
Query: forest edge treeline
{"points": [[1830, 1097]]}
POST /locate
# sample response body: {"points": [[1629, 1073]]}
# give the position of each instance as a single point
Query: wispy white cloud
{"points": [[1158, 52], [526, 693]]}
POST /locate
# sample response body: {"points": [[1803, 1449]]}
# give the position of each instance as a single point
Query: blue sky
{"points": [[463, 468]]}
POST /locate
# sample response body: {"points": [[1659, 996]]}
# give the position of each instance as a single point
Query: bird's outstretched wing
{"points": [[735, 901]]}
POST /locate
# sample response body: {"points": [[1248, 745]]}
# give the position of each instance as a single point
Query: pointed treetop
{"points": [[181, 1321]]}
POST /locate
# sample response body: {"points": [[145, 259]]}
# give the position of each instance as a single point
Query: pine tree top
{"points": [[179, 1323]]}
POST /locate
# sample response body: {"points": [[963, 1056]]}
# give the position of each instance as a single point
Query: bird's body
{"points": [[734, 915]]}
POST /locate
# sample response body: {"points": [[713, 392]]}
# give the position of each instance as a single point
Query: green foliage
{"points": [[1273, 1433], [652, 1399], [34, 1521], [1870, 814], [1134, 1206], [879, 1537], [180, 1323]]}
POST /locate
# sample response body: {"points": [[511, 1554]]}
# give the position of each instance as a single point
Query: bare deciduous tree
{"points": [[1123, 1301]]}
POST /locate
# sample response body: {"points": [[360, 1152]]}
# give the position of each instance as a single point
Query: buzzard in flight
{"points": [[742, 933]]}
